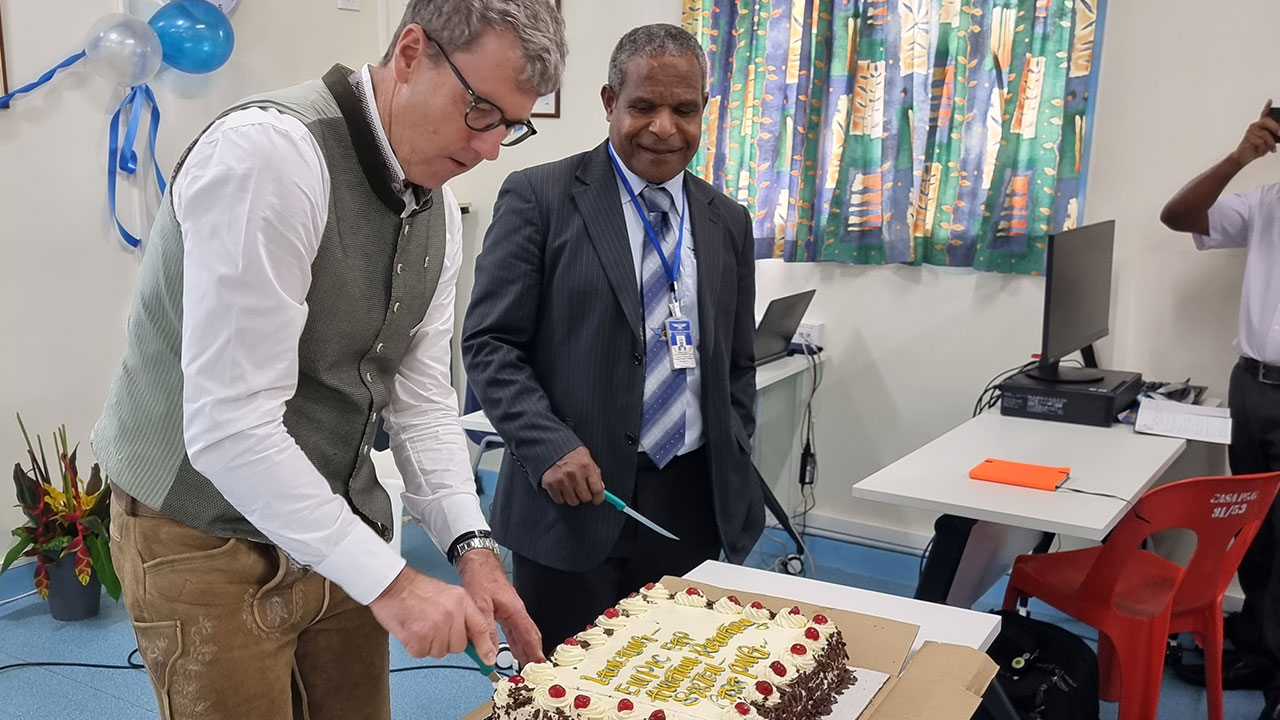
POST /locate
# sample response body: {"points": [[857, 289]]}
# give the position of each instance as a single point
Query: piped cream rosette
{"points": [[634, 605], [692, 597], [568, 653], [725, 606], [594, 636], [655, 592]]}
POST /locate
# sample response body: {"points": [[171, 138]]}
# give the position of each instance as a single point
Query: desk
{"points": [[938, 623], [776, 453], [1113, 460], [766, 375]]}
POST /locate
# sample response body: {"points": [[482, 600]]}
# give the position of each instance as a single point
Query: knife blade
{"points": [[615, 501]]}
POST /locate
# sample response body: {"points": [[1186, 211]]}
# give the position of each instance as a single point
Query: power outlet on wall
{"points": [[809, 332]]}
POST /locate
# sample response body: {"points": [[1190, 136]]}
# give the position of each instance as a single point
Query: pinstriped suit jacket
{"points": [[553, 349]]}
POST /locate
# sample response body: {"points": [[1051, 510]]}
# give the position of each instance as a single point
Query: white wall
{"points": [[65, 284]]}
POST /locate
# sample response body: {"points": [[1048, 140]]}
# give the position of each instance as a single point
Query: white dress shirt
{"points": [[686, 288], [252, 201], [1251, 220]]}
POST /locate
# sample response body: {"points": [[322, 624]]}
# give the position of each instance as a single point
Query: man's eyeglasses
{"points": [[483, 115]]}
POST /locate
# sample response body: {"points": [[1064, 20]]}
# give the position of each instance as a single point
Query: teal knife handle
{"points": [[614, 500], [475, 657]]}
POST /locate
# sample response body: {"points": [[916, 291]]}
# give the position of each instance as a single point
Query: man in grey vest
{"points": [[610, 341], [298, 286]]}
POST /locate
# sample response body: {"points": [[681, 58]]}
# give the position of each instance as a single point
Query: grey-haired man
{"points": [[298, 287]]}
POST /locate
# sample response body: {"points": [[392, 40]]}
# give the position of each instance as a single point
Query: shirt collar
{"points": [[675, 185], [412, 194]]}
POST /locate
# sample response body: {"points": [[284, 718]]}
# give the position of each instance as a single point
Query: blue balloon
{"points": [[195, 35]]}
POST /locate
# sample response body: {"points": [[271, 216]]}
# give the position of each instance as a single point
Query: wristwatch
{"points": [[474, 540]]}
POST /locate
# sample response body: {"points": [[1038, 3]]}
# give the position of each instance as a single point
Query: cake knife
{"points": [[485, 668], [615, 501]]}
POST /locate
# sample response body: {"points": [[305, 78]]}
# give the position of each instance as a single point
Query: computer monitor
{"points": [[1077, 299]]}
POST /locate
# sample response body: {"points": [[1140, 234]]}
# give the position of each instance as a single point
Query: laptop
{"points": [[778, 326]]}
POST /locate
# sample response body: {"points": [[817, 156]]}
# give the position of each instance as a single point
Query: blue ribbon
{"points": [[123, 158], [4, 99]]}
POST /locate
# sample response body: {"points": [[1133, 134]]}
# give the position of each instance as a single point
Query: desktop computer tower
{"points": [[1084, 403]]}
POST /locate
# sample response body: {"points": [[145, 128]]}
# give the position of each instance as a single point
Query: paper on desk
{"points": [[1175, 419], [854, 701]]}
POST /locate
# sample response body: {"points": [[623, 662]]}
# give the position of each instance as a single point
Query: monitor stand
{"points": [[1054, 372]]}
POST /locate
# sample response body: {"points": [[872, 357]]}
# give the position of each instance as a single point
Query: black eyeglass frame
{"points": [[477, 100]]}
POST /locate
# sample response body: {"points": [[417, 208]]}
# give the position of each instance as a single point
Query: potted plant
{"points": [[65, 530]]}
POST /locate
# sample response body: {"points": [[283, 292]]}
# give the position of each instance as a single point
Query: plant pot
{"points": [[68, 599]]}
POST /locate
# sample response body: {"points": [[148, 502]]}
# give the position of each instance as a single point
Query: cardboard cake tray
{"points": [[941, 681]]}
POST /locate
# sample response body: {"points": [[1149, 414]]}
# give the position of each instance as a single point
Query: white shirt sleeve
{"points": [[426, 434], [1229, 219], [252, 200]]}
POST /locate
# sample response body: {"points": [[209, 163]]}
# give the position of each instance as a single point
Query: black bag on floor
{"points": [[1046, 672]]}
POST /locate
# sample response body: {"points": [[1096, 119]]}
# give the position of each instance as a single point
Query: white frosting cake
{"points": [[661, 656]]}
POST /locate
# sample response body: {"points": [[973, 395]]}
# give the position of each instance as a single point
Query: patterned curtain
{"points": [[946, 132]]}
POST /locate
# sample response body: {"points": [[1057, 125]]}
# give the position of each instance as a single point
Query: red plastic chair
{"points": [[1136, 599]]}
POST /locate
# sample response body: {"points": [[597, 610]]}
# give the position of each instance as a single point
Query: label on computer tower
{"points": [[1046, 405]]}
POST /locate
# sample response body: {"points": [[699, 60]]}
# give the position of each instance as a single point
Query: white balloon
{"points": [[123, 49], [226, 6]]}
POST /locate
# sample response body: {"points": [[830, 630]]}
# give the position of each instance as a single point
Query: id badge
{"points": [[680, 343]]}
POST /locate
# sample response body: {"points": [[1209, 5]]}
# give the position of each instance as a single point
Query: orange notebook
{"points": [[1038, 477]]}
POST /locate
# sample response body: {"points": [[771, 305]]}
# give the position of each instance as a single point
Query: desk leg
{"points": [[988, 556]]}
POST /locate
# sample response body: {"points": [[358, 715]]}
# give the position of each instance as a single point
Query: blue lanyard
{"points": [[672, 271]]}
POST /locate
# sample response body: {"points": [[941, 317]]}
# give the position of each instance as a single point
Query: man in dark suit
{"points": [[576, 347]]}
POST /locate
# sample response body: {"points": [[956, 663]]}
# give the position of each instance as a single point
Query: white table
{"points": [[766, 375], [940, 623], [1115, 461]]}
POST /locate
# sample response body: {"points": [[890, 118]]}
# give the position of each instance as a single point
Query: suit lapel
{"points": [[597, 199], [709, 244]]}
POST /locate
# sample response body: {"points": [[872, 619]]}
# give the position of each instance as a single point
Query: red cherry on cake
{"points": [[742, 708], [556, 691], [625, 705], [819, 619], [734, 599], [778, 668], [799, 649], [657, 715], [571, 641], [795, 610], [634, 595], [757, 606], [516, 679], [591, 626], [812, 633], [693, 591], [581, 702], [648, 586], [612, 613], [764, 688]]}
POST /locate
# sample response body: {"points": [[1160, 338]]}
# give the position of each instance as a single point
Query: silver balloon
{"points": [[123, 49]]}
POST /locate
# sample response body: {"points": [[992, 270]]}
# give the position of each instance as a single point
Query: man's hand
{"points": [[1188, 209], [486, 582], [574, 479], [1258, 140], [433, 618]]}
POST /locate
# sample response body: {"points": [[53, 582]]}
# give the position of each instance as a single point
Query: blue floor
{"points": [[28, 634]]}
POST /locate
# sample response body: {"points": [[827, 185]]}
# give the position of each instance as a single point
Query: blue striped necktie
{"points": [[662, 426]]}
